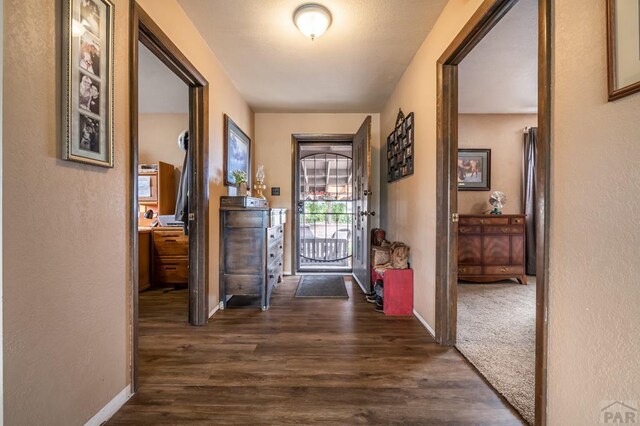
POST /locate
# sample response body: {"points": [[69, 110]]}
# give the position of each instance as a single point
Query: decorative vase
{"points": [[242, 189]]}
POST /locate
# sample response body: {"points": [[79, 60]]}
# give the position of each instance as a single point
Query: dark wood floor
{"points": [[305, 361]]}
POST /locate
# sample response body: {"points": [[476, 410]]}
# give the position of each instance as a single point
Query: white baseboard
{"points": [[425, 324], [214, 310], [111, 408]]}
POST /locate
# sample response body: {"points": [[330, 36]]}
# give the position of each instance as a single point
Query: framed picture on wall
{"points": [[623, 47], [237, 152], [88, 82], [474, 169]]}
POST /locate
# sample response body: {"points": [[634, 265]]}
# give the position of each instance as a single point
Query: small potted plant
{"points": [[240, 178]]}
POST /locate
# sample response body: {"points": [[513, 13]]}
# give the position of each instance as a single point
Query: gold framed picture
{"points": [[623, 47]]}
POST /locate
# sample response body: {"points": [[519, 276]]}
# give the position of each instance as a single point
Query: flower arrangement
{"points": [[239, 176]]}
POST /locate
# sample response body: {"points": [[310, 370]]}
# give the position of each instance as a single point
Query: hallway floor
{"points": [[305, 361]]}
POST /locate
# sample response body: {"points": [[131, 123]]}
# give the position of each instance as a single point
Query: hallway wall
{"points": [[65, 249], [273, 149], [65, 241], [594, 343], [408, 206]]}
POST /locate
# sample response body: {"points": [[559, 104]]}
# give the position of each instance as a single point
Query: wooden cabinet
{"points": [[157, 188], [251, 252], [170, 256], [491, 248]]}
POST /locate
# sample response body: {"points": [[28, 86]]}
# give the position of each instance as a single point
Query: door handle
{"points": [[367, 213], [367, 192]]}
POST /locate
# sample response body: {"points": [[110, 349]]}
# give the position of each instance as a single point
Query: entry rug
{"points": [[322, 286]]}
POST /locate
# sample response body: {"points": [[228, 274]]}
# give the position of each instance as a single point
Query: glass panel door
{"points": [[325, 211]]}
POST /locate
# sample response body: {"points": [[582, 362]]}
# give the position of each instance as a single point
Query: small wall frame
{"points": [[400, 148]]}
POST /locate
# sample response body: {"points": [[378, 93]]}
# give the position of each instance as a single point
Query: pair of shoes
{"points": [[371, 293], [380, 307], [372, 298]]}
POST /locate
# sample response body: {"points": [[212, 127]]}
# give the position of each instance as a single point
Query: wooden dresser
{"points": [[491, 248], [251, 248], [170, 256]]}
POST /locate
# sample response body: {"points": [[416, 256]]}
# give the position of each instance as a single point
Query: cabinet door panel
{"points": [[497, 250], [244, 252], [517, 250], [470, 249]]}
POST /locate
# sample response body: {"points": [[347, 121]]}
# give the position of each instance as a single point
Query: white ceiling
{"points": [[353, 67], [500, 74], [159, 89]]}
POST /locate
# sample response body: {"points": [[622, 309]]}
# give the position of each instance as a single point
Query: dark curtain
{"points": [[529, 192]]}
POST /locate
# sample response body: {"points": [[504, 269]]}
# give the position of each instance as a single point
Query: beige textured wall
{"points": [[223, 97], [158, 139], [409, 205], [273, 149], [65, 236], [502, 133], [66, 281], [594, 309]]}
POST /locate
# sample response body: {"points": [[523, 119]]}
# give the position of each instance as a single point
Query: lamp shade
{"points": [[312, 20]]}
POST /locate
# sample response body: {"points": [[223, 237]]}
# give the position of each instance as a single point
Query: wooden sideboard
{"points": [[491, 248], [251, 251]]}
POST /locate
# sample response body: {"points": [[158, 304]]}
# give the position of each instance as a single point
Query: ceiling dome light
{"points": [[312, 19]]}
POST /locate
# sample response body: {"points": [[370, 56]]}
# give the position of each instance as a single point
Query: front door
{"points": [[361, 195]]}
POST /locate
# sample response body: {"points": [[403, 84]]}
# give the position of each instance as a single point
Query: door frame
{"points": [[486, 17], [143, 29], [296, 139]]}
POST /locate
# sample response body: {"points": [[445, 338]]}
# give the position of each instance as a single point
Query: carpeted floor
{"points": [[322, 286], [496, 333]]}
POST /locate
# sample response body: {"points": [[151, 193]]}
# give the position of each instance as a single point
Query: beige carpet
{"points": [[496, 333]]}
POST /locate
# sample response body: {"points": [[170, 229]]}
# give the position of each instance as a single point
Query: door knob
{"points": [[366, 213], [367, 192]]}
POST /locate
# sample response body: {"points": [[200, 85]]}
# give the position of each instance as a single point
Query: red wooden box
{"points": [[398, 291]]}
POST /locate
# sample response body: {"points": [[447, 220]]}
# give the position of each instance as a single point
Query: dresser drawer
{"points": [[470, 229], [509, 229], [517, 220], [274, 269], [274, 233], [245, 219], [242, 284], [504, 270], [275, 250], [171, 271], [469, 270], [170, 243], [484, 220]]}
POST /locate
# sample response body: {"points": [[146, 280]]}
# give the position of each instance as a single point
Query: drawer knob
{"points": [[280, 247], [281, 231], [270, 276], [280, 264], [504, 269], [272, 255], [504, 230], [463, 270], [483, 221]]}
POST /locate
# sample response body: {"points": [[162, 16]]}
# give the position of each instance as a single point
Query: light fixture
{"points": [[312, 19]]}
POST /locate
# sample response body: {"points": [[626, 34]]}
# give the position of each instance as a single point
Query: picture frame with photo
{"points": [[87, 86], [474, 169], [237, 152], [623, 48]]}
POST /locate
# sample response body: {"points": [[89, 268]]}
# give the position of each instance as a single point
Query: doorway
{"points": [[331, 189], [324, 203], [488, 15], [195, 219]]}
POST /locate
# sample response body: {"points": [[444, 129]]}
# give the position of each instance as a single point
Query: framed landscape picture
{"points": [[623, 47], [237, 152], [88, 82], [474, 169]]}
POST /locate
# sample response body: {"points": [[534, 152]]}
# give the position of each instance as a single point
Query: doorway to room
{"points": [[324, 205], [449, 224], [174, 212]]}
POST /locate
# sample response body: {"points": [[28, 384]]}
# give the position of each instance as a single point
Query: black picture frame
{"points": [[474, 169]]}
